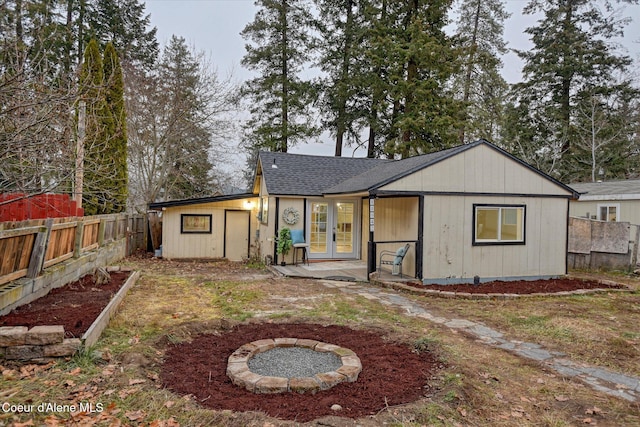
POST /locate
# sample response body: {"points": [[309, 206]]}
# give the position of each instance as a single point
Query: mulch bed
{"points": [[75, 305], [392, 373], [522, 287]]}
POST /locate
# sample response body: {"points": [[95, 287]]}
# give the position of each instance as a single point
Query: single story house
{"points": [[608, 201], [469, 211]]}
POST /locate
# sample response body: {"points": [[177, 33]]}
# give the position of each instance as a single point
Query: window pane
{"points": [[612, 214], [487, 223], [603, 213], [344, 235], [318, 226], [512, 224]]}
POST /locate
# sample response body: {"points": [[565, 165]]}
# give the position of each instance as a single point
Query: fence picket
{"points": [[27, 247]]}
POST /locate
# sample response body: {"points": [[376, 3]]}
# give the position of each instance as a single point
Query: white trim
{"points": [[608, 205], [612, 197]]}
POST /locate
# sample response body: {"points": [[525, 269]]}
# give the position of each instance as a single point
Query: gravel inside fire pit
{"points": [[293, 362]]}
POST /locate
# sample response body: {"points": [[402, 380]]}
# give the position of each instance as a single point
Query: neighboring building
{"points": [[473, 210], [608, 201]]}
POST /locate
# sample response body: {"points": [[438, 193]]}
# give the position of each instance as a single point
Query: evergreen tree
{"points": [[571, 57], [341, 23], [279, 98], [422, 59], [479, 31], [117, 141], [97, 193], [123, 23], [372, 81], [188, 148]]}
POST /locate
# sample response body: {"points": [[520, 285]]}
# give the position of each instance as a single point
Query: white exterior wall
{"points": [[297, 204], [268, 228], [176, 245], [448, 240], [474, 177]]}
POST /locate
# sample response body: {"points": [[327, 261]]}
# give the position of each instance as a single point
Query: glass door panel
{"points": [[344, 229], [319, 228]]}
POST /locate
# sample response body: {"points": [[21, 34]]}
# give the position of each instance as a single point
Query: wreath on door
{"points": [[291, 216]]}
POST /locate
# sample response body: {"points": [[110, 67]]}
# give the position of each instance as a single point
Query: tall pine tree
{"points": [[342, 31], [571, 57], [424, 115], [479, 31], [123, 23], [281, 44]]}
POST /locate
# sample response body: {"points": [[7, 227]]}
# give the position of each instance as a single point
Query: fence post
{"points": [[77, 250], [634, 251], [39, 250], [101, 231]]}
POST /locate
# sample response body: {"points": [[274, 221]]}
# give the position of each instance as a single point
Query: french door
{"points": [[333, 228]]}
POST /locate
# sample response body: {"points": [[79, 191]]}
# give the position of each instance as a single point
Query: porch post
{"points": [[277, 231], [420, 242], [371, 245]]}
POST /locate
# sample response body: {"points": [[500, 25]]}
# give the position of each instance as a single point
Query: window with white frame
{"points": [[498, 224], [608, 212]]}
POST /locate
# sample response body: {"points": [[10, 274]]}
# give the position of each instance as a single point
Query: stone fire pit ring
{"points": [[241, 375]]}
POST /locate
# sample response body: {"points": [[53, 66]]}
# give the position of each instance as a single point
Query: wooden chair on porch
{"points": [[297, 236], [394, 259]]}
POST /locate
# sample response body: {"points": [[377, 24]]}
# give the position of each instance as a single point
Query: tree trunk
{"points": [[285, 81], [470, 62]]}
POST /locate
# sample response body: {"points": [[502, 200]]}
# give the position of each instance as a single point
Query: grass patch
{"points": [[233, 299]]}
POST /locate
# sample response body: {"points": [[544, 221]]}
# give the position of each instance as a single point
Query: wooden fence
{"points": [[602, 245], [28, 247]]}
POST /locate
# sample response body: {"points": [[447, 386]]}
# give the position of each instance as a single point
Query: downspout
{"points": [[277, 231], [420, 243], [566, 241]]}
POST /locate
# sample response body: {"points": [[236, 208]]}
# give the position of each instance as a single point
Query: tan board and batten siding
{"points": [[178, 245], [448, 223], [628, 212]]}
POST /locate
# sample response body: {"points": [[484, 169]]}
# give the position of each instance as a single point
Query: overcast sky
{"points": [[214, 26]]}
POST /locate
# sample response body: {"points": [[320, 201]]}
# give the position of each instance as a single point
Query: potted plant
{"points": [[285, 243]]}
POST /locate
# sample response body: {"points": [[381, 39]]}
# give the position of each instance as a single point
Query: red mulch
{"points": [[521, 286], [391, 373], [75, 305]]}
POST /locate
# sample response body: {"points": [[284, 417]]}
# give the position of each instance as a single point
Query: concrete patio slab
{"points": [[348, 271]]}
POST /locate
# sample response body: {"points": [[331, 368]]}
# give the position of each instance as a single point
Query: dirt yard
{"points": [[162, 360]]}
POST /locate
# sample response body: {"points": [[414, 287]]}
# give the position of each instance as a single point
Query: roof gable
{"points": [[303, 175]]}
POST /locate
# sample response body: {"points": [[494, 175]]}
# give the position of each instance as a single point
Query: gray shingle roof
{"points": [[608, 188], [304, 175]]}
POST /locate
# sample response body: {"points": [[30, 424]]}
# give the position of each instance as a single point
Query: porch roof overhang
{"points": [[201, 200], [360, 194]]}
